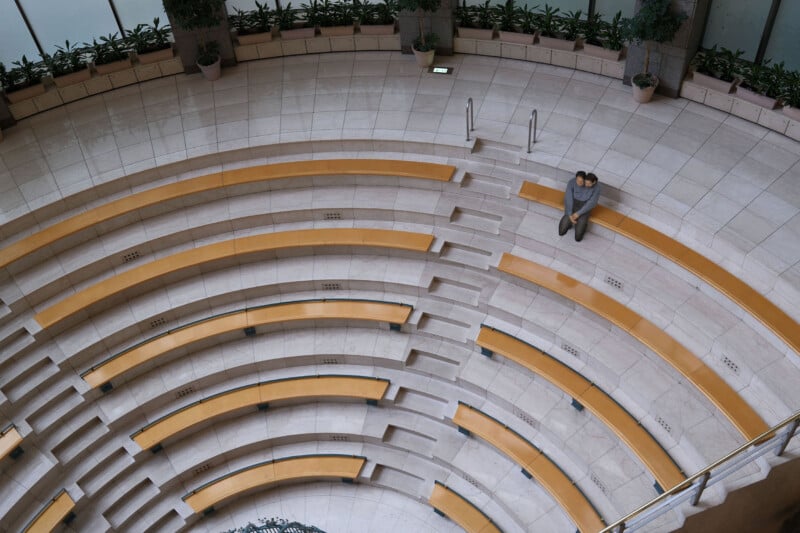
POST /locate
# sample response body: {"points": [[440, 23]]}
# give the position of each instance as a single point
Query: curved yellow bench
{"points": [[9, 440], [531, 459], [692, 368], [745, 296], [453, 505], [367, 388], [239, 320], [627, 428], [238, 247], [219, 180], [51, 516], [261, 475]]}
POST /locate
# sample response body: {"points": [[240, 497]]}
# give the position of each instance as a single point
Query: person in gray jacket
{"points": [[581, 196]]}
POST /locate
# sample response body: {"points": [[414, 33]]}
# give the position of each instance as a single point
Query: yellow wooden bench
{"points": [[52, 515], [458, 509], [533, 461], [392, 313], [238, 247], [620, 421], [264, 474], [691, 367], [261, 394], [218, 180], [10, 439], [769, 314]]}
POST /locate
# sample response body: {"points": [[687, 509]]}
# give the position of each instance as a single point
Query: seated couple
{"points": [[581, 196]]}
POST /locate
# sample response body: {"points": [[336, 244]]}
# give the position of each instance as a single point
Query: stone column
{"points": [[186, 43], [670, 61], [440, 23]]}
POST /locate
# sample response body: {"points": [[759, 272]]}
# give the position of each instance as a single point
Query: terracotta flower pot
{"points": [[377, 29], [114, 66], [213, 71], [336, 31], [424, 59], [557, 44], [644, 94], [155, 57], [475, 33], [517, 37], [72, 78], [298, 33], [254, 38]]}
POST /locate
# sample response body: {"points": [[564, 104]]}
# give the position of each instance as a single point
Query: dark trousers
{"points": [[580, 225]]}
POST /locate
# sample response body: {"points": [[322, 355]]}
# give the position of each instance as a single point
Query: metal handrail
{"points": [[704, 475], [532, 120], [470, 117]]}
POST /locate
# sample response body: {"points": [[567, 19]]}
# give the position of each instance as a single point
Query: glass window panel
{"points": [[78, 21], [609, 8], [15, 40], [784, 41], [135, 12], [735, 24]]}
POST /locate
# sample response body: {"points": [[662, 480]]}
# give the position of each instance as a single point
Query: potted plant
{"points": [[109, 55], [762, 84], [377, 19], [790, 95], [475, 22], [289, 24], [603, 39], [151, 42], [67, 65], [335, 18], [424, 46], [24, 81], [653, 23], [508, 18], [716, 69], [253, 27], [200, 16]]}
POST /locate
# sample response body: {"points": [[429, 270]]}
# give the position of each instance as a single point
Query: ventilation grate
{"points": [[200, 469], [131, 256], [600, 485], [331, 287], [340, 438], [570, 349], [186, 391], [330, 361], [614, 282], [471, 480], [525, 417], [663, 423], [730, 364], [333, 215], [160, 321]]}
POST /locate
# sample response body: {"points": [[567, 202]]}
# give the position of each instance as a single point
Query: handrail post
{"points": [[532, 120], [789, 434], [470, 117], [700, 488]]}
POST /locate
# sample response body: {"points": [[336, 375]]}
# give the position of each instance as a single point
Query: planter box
{"points": [[475, 33], [114, 66], [254, 38], [792, 112], [377, 29], [71, 79], [121, 78], [557, 44], [337, 31], [602, 52], [155, 57], [25, 94], [755, 98], [516, 37], [713, 83], [147, 72], [246, 52], [73, 92], [298, 33]]}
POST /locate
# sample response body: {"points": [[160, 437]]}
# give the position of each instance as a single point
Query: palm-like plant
{"points": [[507, 16], [425, 41], [654, 22]]}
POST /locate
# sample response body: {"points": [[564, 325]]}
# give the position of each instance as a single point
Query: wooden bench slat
{"points": [[9, 440], [713, 387], [52, 515], [210, 182], [263, 475], [218, 251], [149, 350], [761, 308], [620, 421], [306, 387], [548, 474], [460, 510]]}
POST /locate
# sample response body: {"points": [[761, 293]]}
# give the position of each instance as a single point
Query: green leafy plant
{"points": [[241, 20], [764, 79], [612, 35], [653, 23], [327, 13], [262, 18], [593, 28], [547, 22], [507, 16], [199, 16], [146, 38], [570, 26], [25, 73], [723, 64], [110, 48], [382, 13], [529, 19], [425, 41], [285, 17], [790, 89], [66, 60]]}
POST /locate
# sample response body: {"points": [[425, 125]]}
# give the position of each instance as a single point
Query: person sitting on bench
{"points": [[581, 196]]}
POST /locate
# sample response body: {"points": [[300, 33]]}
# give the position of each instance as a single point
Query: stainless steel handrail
{"points": [[532, 120], [703, 476], [470, 117]]}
